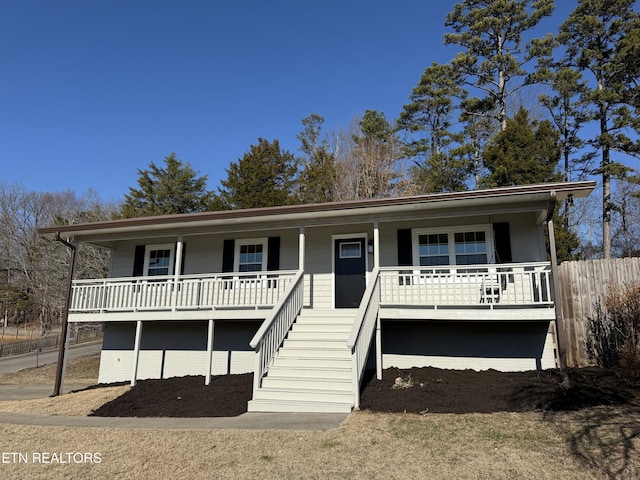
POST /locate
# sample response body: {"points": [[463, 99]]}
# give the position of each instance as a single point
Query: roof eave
{"points": [[301, 214]]}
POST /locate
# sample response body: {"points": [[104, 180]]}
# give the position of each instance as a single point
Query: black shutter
{"points": [[138, 261], [503, 242], [184, 251], [227, 255], [405, 250], [273, 253]]}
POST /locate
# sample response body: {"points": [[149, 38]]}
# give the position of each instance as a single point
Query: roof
{"points": [[504, 199]]}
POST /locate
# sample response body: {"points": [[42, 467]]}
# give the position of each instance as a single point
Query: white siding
{"points": [[122, 259], [460, 345], [171, 349], [527, 238], [203, 253], [318, 288]]}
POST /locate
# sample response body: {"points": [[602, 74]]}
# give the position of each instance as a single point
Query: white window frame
{"points": [[152, 248], [452, 267], [250, 241], [360, 252]]}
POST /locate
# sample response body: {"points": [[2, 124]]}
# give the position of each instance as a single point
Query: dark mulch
{"points": [[469, 391], [225, 396], [434, 390]]}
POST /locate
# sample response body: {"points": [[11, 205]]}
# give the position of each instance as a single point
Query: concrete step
{"points": [[292, 406]]}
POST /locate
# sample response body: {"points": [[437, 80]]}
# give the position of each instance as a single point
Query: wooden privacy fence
{"points": [[581, 284]]}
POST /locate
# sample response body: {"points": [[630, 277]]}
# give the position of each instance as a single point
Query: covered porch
{"points": [[479, 290]]}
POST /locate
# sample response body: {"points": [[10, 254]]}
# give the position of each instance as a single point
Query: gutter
{"points": [[293, 213], [62, 352], [552, 205], [559, 324]]}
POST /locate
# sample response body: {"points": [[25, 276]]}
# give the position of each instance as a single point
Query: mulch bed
{"points": [[433, 390], [225, 396]]}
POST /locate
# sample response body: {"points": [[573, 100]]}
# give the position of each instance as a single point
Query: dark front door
{"points": [[350, 269]]}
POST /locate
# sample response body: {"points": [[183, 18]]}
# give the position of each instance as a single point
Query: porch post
{"points": [[378, 348], [176, 272], [301, 243], [376, 245], [136, 352], [207, 377]]}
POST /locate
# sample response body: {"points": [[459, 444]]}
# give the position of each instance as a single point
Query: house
{"points": [[309, 296]]}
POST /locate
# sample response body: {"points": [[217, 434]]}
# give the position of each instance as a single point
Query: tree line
{"points": [[509, 109]]}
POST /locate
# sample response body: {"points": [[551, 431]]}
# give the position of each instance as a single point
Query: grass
{"points": [[82, 370], [589, 444]]}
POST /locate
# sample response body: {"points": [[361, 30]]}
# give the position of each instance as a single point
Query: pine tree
{"points": [[493, 58], [428, 119], [264, 177], [596, 37], [318, 175], [526, 152], [174, 188]]}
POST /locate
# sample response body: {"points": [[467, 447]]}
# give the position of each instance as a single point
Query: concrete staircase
{"points": [[312, 370]]}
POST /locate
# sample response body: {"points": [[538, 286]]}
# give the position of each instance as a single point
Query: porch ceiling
{"points": [[532, 198]]}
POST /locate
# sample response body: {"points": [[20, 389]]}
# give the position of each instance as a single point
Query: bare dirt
{"points": [[416, 390]]}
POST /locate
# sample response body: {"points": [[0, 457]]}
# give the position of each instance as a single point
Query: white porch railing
{"points": [[193, 292], [275, 327], [489, 286], [362, 332]]}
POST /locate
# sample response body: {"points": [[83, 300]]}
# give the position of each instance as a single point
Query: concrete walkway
{"points": [[246, 421]]}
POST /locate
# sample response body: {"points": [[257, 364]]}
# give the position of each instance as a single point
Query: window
{"points": [[251, 255], [453, 247], [470, 248], [158, 260], [433, 249], [350, 250]]}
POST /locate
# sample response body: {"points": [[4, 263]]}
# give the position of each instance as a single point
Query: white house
{"points": [[308, 296]]}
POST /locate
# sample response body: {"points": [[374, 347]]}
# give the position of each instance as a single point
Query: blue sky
{"points": [[91, 91]]}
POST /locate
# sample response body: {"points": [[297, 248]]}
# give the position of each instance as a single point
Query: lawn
{"points": [[593, 442]]}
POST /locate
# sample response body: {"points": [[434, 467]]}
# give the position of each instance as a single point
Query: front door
{"points": [[350, 271]]}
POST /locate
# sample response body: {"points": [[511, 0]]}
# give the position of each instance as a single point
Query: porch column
{"points": [[378, 348], [136, 352], [207, 376], [176, 275], [301, 242], [376, 245], [560, 337]]}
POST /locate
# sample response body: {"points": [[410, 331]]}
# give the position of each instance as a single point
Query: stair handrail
{"points": [[275, 327], [361, 334]]}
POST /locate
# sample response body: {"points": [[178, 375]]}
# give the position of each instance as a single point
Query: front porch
{"points": [[478, 292], [181, 297]]}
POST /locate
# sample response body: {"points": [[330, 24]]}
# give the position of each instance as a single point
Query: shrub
{"points": [[614, 333]]}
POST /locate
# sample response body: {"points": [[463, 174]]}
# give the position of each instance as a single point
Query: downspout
{"points": [[65, 317], [560, 337]]}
